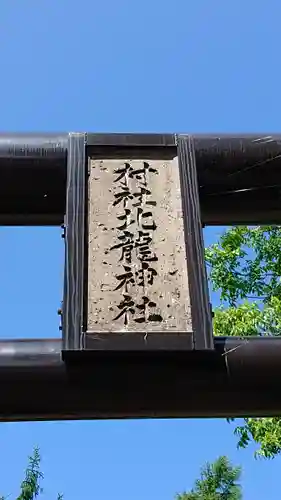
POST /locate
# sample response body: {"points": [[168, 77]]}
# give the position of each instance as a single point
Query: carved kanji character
{"points": [[125, 279]]}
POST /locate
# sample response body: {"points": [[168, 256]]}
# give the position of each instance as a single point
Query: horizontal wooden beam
{"points": [[131, 140], [40, 146], [240, 173], [241, 378]]}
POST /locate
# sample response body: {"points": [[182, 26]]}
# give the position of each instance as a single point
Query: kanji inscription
{"points": [[137, 269]]}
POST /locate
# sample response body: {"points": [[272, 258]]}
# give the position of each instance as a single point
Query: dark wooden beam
{"points": [[241, 378], [33, 179], [239, 172], [239, 178]]}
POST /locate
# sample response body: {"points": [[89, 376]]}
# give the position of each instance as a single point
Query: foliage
{"points": [[218, 481], [245, 267], [30, 486]]}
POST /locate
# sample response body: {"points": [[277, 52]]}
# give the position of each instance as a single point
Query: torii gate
{"points": [[136, 326]]}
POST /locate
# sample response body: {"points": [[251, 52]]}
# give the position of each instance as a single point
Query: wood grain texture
{"points": [[72, 317], [199, 295]]}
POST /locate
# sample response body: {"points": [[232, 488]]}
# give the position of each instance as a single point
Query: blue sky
{"points": [[135, 66]]}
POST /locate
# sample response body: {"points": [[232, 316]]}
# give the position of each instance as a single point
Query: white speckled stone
{"points": [[170, 290]]}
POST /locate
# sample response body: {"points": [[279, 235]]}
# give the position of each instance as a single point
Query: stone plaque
{"points": [[137, 264]]}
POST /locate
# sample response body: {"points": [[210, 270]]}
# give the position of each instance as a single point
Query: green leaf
{"points": [[218, 481], [30, 486], [245, 267]]}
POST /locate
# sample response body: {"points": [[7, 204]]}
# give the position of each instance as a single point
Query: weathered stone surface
{"points": [[142, 286]]}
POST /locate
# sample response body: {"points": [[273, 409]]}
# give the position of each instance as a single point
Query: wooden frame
{"points": [[77, 335], [72, 315]]}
